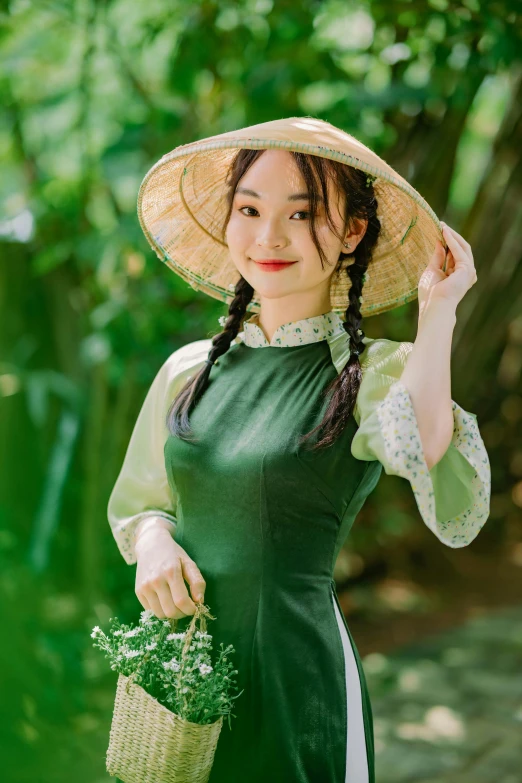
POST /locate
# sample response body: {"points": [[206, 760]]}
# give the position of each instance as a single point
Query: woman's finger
{"points": [[194, 577], [178, 590], [458, 251], [167, 604], [143, 601], [447, 230], [464, 255], [154, 602]]}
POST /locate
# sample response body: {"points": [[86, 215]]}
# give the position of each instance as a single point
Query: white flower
{"points": [[146, 615], [222, 320], [132, 653], [95, 631], [118, 633], [172, 665], [232, 287], [205, 668], [184, 690], [133, 632], [172, 636], [151, 646]]}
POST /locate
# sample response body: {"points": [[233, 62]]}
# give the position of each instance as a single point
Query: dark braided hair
{"points": [[360, 205]]}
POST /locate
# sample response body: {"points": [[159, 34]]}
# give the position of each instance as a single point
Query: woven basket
{"points": [[150, 744]]}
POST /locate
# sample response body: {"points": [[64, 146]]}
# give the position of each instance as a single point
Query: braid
{"points": [[345, 386], [356, 272], [178, 422]]}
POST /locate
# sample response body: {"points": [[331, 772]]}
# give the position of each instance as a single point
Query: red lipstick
{"points": [[273, 264]]}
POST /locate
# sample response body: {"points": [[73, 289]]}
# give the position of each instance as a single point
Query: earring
{"points": [[347, 244]]}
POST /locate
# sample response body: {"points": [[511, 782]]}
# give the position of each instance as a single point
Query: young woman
{"points": [[255, 449]]}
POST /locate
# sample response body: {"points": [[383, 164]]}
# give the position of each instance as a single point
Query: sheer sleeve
{"points": [[453, 497], [142, 490]]}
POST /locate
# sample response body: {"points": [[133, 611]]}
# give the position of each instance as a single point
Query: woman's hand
{"points": [[460, 274], [162, 566]]}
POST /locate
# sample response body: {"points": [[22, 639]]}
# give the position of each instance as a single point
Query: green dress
{"points": [[264, 519]]}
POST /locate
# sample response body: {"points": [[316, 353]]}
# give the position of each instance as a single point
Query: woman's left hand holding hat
{"points": [[451, 285]]}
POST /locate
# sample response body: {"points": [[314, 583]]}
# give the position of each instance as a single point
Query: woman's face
{"points": [[272, 222]]}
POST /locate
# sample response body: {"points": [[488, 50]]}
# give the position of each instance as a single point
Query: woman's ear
{"points": [[354, 236]]}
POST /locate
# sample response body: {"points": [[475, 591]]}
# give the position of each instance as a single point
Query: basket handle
{"points": [[201, 615]]}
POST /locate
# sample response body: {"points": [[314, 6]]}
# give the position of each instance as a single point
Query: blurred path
{"points": [[449, 709]]}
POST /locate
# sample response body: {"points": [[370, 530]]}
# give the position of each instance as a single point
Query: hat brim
{"points": [[182, 206]]}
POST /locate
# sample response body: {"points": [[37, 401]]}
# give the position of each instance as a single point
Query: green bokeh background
{"points": [[93, 94]]}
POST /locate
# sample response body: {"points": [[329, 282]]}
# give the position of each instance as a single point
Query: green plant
{"points": [[190, 685]]}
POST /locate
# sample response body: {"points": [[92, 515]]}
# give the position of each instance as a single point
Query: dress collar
{"points": [[307, 330]]}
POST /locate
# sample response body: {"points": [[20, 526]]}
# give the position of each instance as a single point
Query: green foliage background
{"points": [[93, 94]]}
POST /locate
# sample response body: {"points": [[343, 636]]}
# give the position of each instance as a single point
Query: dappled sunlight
{"points": [[401, 595], [440, 723]]}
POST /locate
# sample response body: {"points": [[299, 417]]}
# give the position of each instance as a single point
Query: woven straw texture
{"points": [[150, 744], [182, 206]]}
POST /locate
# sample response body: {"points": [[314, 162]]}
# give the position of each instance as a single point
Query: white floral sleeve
{"points": [[142, 490], [453, 497]]}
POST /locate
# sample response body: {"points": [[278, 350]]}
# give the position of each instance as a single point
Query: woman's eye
{"points": [[300, 212]]}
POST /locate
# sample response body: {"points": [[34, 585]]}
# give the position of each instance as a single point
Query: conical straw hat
{"points": [[182, 206]]}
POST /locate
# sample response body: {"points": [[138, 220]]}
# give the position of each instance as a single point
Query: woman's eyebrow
{"points": [[293, 197]]}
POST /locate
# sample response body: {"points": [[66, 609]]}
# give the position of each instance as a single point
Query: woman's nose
{"points": [[272, 235]]}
